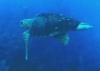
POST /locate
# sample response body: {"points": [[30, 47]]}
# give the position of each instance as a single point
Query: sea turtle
{"points": [[51, 25]]}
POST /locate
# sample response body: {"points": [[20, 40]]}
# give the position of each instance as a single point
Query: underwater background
{"points": [[81, 54]]}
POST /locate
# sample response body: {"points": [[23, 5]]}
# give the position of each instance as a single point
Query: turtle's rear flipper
{"points": [[64, 39], [83, 26], [26, 36]]}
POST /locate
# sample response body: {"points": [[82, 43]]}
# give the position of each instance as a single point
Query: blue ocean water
{"points": [[81, 54]]}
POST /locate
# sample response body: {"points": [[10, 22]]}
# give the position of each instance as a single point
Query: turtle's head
{"points": [[26, 23]]}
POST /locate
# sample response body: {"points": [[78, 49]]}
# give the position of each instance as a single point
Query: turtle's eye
{"points": [[21, 24]]}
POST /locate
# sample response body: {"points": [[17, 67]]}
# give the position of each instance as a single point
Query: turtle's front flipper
{"points": [[26, 36]]}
